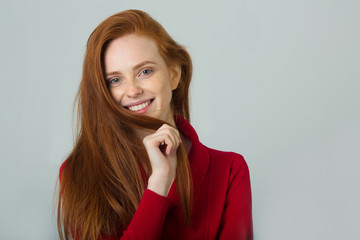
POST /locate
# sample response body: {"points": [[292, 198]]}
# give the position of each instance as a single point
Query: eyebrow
{"points": [[137, 66]]}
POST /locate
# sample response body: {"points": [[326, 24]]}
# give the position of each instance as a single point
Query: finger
{"points": [[176, 134], [170, 145], [176, 131], [166, 126], [173, 132], [159, 140]]}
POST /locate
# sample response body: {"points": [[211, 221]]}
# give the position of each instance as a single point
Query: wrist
{"points": [[160, 184]]}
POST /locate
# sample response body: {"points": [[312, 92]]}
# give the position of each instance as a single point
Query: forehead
{"points": [[129, 50]]}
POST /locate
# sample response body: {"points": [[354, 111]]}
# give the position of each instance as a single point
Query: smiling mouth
{"points": [[139, 107]]}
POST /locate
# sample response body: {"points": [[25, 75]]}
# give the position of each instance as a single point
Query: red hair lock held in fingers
{"points": [[105, 175]]}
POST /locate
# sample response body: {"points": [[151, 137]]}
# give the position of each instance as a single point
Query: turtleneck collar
{"points": [[198, 157]]}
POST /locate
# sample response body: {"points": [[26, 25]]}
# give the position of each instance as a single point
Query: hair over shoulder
{"points": [[106, 173]]}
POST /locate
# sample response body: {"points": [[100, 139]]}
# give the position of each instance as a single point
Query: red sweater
{"points": [[222, 199]]}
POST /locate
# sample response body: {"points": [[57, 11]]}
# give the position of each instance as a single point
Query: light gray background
{"points": [[277, 81]]}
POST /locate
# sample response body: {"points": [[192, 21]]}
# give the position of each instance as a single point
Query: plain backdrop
{"points": [[277, 81]]}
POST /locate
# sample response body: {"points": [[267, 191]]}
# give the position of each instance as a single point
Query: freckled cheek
{"points": [[117, 95]]}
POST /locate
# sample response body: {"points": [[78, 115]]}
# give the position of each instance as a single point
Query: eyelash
{"points": [[149, 71], [110, 80]]}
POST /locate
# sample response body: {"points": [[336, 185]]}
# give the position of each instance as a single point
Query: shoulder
{"points": [[228, 164], [233, 159]]}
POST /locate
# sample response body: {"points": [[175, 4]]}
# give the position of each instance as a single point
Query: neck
{"points": [[141, 133]]}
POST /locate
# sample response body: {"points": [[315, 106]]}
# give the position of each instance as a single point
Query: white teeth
{"points": [[139, 107]]}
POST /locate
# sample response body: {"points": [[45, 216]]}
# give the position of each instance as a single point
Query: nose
{"points": [[133, 89]]}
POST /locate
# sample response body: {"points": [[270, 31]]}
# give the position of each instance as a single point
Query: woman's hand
{"points": [[161, 148]]}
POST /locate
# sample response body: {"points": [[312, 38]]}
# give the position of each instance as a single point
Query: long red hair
{"points": [[102, 181]]}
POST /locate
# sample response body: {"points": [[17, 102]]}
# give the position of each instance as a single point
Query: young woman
{"points": [[138, 170]]}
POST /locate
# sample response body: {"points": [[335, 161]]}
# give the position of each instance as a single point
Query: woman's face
{"points": [[138, 77]]}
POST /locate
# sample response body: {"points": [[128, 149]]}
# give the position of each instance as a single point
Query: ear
{"points": [[175, 75]]}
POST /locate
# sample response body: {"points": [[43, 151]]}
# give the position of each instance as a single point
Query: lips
{"points": [[139, 106]]}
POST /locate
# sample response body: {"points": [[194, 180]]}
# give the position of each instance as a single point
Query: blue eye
{"points": [[146, 72], [114, 81]]}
